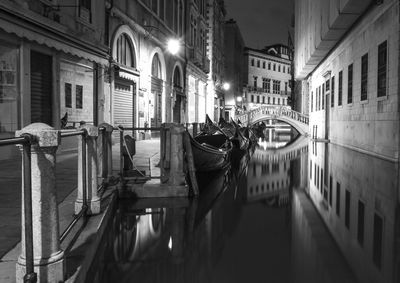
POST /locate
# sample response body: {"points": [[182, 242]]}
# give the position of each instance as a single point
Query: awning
{"points": [[127, 74], [57, 39]]}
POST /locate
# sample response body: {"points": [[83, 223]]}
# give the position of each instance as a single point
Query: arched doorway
{"points": [[156, 90], [178, 96], [124, 93]]}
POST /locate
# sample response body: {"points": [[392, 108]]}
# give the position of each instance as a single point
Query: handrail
{"points": [[25, 145]]}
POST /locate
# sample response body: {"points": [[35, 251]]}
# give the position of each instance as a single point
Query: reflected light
{"points": [[170, 243], [173, 46]]}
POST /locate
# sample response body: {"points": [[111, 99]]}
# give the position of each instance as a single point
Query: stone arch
{"points": [[300, 127], [133, 40]]}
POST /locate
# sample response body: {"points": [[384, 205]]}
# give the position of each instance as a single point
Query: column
{"points": [[48, 256]]}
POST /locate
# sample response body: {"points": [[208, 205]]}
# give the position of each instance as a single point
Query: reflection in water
{"points": [[267, 219], [275, 135], [357, 197]]}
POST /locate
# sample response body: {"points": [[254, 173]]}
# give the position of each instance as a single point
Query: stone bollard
{"points": [[88, 180], [48, 256], [105, 152], [172, 154]]}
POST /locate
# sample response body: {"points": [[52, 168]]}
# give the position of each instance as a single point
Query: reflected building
{"points": [[357, 197]]}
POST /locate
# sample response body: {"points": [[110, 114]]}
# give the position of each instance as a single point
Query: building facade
{"points": [[267, 76], [234, 67], [351, 74], [198, 64], [147, 85], [215, 52], [52, 59]]}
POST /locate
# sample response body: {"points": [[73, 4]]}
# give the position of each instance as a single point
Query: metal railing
{"points": [[84, 208], [25, 144]]}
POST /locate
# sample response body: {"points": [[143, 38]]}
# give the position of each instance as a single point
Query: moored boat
{"points": [[211, 152]]}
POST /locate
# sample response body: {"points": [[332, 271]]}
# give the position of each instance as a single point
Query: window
{"points": [[258, 63], [364, 77], [347, 210], [252, 62], [263, 99], [274, 67], [85, 10], [68, 95], [284, 69], [323, 96], [285, 88], [276, 87], [258, 99], [312, 102], [319, 98], [333, 92], [350, 84], [382, 65], [273, 100], [377, 241], [125, 51], [269, 65], [327, 85], [288, 70], [360, 223], [321, 180], [255, 82], [279, 101], [264, 65], [310, 169], [252, 98], [340, 88], [338, 199], [266, 84], [269, 100], [279, 68], [330, 190], [79, 97]]}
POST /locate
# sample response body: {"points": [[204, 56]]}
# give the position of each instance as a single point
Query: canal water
{"points": [[289, 211]]}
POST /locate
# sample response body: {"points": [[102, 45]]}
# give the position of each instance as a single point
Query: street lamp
{"points": [[173, 46], [226, 86]]}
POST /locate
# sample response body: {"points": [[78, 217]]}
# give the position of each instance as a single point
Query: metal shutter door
{"points": [[41, 88]]}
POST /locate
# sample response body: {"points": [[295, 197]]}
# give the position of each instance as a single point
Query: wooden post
{"points": [[190, 163]]}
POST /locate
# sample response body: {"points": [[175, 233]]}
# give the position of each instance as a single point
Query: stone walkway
{"points": [[147, 154]]}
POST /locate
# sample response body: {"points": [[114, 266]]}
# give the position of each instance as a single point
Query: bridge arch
{"points": [[301, 128], [283, 113]]}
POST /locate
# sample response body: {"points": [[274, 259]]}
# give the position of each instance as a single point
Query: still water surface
{"points": [[290, 211]]}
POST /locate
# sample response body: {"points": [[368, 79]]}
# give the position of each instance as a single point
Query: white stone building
{"points": [[350, 69], [267, 76]]}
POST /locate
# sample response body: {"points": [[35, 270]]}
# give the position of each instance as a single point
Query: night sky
{"points": [[261, 22]]}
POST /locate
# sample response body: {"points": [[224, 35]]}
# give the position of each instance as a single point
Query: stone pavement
{"points": [[147, 156]]}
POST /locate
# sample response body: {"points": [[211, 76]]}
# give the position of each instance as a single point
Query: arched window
{"points": [[177, 78], [125, 51], [156, 67]]}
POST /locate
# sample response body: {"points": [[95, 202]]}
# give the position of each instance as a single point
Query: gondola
{"points": [[210, 152]]}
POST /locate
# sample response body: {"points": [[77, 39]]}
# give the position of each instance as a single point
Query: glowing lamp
{"points": [[173, 46]]}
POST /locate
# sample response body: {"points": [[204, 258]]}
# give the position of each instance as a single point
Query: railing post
{"points": [[172, 154], [87, 153], [105, 151], [48, 256]]}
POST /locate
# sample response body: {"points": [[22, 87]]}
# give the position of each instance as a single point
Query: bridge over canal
{"points": [[282, 113]]}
